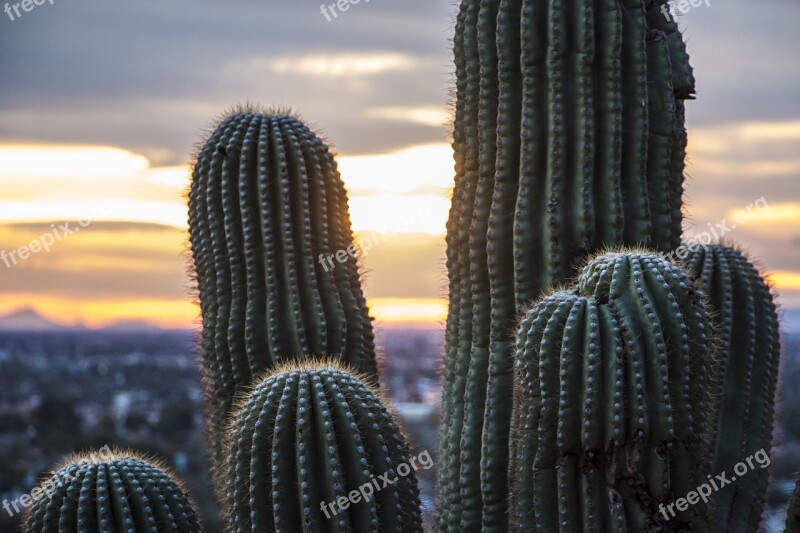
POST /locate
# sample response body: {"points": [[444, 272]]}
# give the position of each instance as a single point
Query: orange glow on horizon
{"points": [[184, 314], [788, 281]]}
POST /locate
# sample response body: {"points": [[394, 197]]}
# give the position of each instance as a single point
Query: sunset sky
{"points": [[101, 105]]}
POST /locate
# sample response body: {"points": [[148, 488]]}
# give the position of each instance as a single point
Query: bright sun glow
{"points": [[404, 191], [32, 162], [336, 66]]}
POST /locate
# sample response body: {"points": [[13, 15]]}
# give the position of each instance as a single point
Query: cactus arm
{"points": [[265, 203], [750, 345], [122, 493], [600, 379], [318, 434]]}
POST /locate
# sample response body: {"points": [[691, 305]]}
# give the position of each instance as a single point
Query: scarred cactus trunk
{"points": [[612, 402], [308, 437], [266, 208], [750, 360], [568, 136]]}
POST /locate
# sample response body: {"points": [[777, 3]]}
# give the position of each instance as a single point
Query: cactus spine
{"points": [[311, 434], [750, 355], [612, 403], [121, 492], [266, 205], [568, 136]]}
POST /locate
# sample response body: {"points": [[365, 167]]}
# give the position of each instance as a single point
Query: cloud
{"points": [[335, 65], [44, 182], [113, 271], [435, 116], [149, 77]]}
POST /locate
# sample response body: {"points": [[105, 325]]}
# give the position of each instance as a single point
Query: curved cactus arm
{"points": [[613, 401], [750, 358], [267, 214]]}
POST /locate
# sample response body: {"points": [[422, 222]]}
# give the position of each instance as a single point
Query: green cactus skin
{"points": [[613, 411], [750, 360], [120, 493], [265, 203], [793, 511], [568, 137], [310, 434]]}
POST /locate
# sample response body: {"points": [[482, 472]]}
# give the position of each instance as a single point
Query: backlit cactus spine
{"points": [[568, 136], [612, 401], [750, 359], [112, 491], [310, 449], [266, 202]]}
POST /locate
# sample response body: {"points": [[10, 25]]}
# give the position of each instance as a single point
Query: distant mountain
{"points": [[131, 327], [28, 320]]}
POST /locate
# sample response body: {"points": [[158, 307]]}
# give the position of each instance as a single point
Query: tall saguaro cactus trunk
{"points": [[266, 206], [568, 136]]}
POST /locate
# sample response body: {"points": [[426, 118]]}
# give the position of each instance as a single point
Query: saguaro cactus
{"points": [[612, 402], [750, 357], [120, 491], [312, 448], [568, 136], [267, 208]]}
